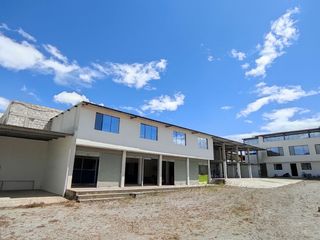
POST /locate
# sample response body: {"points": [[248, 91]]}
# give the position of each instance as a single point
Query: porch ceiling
{"points": [[30, 133]]}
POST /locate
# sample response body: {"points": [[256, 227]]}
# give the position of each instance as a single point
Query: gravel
{"points": [[221, 212]]}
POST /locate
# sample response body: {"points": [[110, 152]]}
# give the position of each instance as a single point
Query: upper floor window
{"points": [[275, 151], [148, 132], [203, 143], [251, 141], [179, 138], [299, 150], [306, 166], [107, 123], [314, 134], [273, 139], [296, 136], [317, 146]]}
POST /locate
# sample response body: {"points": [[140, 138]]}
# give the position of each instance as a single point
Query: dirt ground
{"points": [[222, 212]]}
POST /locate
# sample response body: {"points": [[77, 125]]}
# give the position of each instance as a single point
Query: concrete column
{"points": [[220, 169], [249, 164], [224, 158], [188, 172], [160, 170], [238, 162], [140, 171], [209, 172], [123, 168]]}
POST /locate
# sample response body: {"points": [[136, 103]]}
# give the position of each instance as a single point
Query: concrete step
{"points": [[101, 199], [102, 195]]}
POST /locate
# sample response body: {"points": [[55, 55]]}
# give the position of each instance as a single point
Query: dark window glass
{"points": [[148, 132], [277, 166], [275, 151], [107, 123], [306, 166], [98, 123]]}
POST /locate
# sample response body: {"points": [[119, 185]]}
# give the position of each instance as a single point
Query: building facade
{"points": [[293, 153]]}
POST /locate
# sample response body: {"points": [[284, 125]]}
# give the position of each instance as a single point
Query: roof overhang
{"points": [[30, 133]]}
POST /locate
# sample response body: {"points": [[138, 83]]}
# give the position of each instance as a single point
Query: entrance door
{"points": [[150, 173], [167, 173], [85, 171], [132, 171], [263, 170], [294, 170]]}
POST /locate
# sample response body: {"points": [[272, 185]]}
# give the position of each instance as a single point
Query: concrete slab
{"points": [[9, 199], [260, 182]]}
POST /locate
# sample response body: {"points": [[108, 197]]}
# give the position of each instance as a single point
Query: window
{"points": [[317, 146], [296, 136], [306, 166], [203, 169], [148, 132], [179, 138], [203, 143], [275, 151], [251, 141], [277, 166], [107, 123], [314, 134], [299, 150], [273, 139]]}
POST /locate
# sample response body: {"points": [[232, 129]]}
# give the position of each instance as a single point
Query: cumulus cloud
{"points": [[4, 103], [48, 59], [136, 75], [245, 66], [227, 107], [238, 55], [164, 103], [275, 94], [282, 120], [283, 32], [210, 58], [69, 98]]}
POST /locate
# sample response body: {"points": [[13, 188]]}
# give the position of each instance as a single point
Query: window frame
{"points": [[144, 128], [317, 148], [293, 152], [276, 165], [200, 143], [276, 154], [100, 126], [175, 138], [306, 164]]}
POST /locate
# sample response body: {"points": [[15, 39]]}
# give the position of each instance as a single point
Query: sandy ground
{"points": [[222, 212], [260, 182]]}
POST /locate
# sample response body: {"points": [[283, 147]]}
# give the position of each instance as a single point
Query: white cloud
{"points": [[30, 93], [136, 75], [276, 94], [55, 52], [69, 98], [26, 35], [238, 55], [4, 103], [245, 66], [226, 107], [240, 136], [283, 32], [164, 103], [210, 58], [281, 120], [248, 121]]}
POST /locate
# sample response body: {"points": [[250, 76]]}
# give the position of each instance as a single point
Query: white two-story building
{"points": [[293, 153], [97, 147]]}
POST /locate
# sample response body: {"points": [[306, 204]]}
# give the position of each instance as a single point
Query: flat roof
{"points": [[30, 133], [285, 133], [216, 140]]}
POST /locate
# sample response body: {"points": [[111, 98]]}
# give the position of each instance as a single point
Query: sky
{"points": [[229, 68]]}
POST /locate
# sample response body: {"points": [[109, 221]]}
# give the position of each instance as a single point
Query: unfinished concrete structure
{"points": [[93, 147]]}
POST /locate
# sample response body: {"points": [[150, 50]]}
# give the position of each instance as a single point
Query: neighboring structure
{"points": [[293, 153], [98, 147]]}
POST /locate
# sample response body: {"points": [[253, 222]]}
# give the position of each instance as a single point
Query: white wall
{"points": [[287, 169], [59, 168], [130, 135], [22, 160]]}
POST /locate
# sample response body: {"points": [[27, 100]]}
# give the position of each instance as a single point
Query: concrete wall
{"points": [[287, 169], [130, 135], [180, 172], [59, 167], [109, 170], [22, 161]]}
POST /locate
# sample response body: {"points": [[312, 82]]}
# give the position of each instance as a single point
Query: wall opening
{"points": [[167, 173], [150, 171], [85, 171], [132, 171]]}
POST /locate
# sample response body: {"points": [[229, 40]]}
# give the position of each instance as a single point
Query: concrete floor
{"points": [[26, 197], [260, 182]]}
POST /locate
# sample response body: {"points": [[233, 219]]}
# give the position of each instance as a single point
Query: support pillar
{"points": [[249, 164], [224, 158], [140, 171], [188, 172], [123, 168], [209, 171], [220, 170], [160, 171], [238, 162]]}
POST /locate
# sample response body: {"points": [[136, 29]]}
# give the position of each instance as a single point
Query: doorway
{"points": [[294, 170], [263, 170], [85, 171], [132, 171], [167, 173], [150, 171]]}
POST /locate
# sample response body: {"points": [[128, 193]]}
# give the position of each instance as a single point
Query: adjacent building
{"points": [[97, 147], [293, 153]]}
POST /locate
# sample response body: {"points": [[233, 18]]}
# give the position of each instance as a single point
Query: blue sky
{"points": [[223, 67]]}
